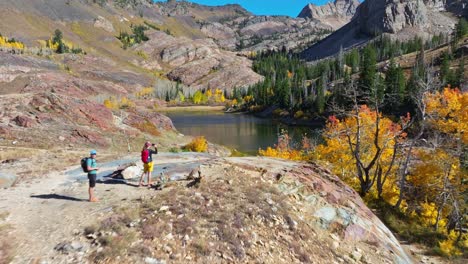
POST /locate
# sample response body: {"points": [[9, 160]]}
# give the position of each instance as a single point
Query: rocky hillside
{"points": [[94, 27], [198, 63], [46, 104], [242, 210], [336, 14], [401, 19], [207, 36], [234, 28]]}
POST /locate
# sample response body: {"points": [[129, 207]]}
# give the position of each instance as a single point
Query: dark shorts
{"points": [[92, 180]]}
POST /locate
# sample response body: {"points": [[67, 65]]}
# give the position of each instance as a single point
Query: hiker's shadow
{"points": [[58, 197]]}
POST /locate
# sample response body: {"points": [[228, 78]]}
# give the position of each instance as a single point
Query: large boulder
{"points": [[131, 172], [331, 208]]}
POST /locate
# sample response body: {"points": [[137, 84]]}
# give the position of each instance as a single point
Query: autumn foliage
{"points": [[368, 150], [209, 96], [361, 149], [448, 112], [284, 150], [11, 43], [115, 104], [198, 144]]}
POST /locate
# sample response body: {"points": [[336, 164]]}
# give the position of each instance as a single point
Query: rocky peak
{"points": [[402, 19], [335, 14], [383, 16]]}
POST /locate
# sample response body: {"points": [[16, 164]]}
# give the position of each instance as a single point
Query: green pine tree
{"points": [[367, 76]]}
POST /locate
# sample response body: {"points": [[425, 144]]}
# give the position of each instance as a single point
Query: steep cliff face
{"points": [[402, 19], [381, 16], [335, 14]]}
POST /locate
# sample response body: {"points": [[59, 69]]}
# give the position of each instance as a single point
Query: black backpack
{"points": [[84, 164]]}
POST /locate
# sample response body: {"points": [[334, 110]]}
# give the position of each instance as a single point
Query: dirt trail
{"points": [[54, 209]]}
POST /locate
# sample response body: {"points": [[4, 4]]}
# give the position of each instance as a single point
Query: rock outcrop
{"points": [[335, 14], [244, 209], [332, 208], [199, 63], [381, 16], [403, 20], [103, 23]]}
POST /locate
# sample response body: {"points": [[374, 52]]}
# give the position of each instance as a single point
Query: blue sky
{"points": [[265, 7]]}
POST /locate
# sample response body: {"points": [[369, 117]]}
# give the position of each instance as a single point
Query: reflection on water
{"points": [[245, 133]]}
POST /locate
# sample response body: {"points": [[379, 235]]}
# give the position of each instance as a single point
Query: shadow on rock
{"points": [[58, 197], [116, 181]]}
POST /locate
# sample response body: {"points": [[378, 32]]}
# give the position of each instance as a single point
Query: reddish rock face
{"points": [[52, 103], [95, 114], [137, 118], [24, 121], [89, 137]]}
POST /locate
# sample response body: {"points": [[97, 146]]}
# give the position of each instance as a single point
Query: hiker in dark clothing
{"points": [[147, 159]]}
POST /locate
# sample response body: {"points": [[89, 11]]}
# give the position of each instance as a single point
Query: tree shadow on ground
{"points": [[58, 197]]}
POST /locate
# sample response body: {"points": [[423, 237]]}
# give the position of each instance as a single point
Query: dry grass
{"points": [[148, 127], [12, 154], [116, 237], [215, 220]]}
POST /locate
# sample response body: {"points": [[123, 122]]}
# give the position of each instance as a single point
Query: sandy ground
{"points": [[45, 212]]}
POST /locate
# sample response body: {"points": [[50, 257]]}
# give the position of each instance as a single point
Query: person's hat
{"points": [[93, 152], [148, 144]]}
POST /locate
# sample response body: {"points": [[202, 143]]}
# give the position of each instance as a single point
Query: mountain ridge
{"points": [[401, 20], [335, 14]]}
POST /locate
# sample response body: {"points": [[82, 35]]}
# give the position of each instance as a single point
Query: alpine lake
{"points": [[242, 132]]}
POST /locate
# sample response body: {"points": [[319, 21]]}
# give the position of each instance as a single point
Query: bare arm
{"points": [[91, 169]]}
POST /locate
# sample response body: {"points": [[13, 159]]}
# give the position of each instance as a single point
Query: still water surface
{"points": [[245, 133]]}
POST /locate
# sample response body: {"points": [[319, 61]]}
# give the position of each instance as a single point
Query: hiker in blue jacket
{"points": [[92, 172]]}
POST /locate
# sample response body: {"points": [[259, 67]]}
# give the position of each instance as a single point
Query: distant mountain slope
{"points": [[402, 19], [93, 25], [335, 14], [234, 28]]}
